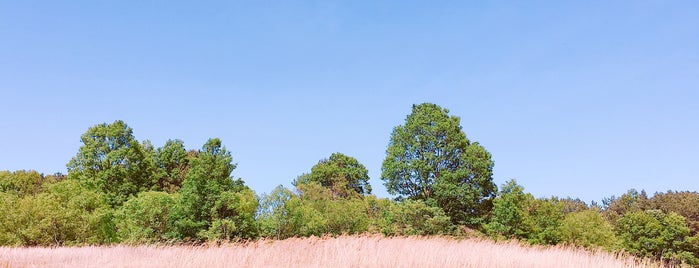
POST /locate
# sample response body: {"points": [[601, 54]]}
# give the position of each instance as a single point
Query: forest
{"points": [[119, 190]]}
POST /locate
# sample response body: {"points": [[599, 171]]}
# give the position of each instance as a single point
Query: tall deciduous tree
{"points": [[342, 174], [113, 161], [213, 205], [429, 158]]}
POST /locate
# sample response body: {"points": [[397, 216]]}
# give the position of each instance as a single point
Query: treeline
{"points": [[120, 190]]}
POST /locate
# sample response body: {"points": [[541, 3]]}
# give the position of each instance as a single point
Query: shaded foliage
{"points": [[172, 162]]}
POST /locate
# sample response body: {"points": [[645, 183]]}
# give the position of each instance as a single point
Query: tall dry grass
{"points": [[346, 251]]}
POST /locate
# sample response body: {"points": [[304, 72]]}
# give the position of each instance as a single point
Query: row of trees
{"points": [[661, 227], [121, 190]]}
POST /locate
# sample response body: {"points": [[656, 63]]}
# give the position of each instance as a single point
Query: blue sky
{"points": [[572, 98]]}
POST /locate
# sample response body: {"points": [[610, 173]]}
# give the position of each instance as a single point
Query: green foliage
{"points": [[274, 213], [546, 218], [653, 233], [631, 201], [120, 190], [172, 162], [573, 205], [305, 220], [510, 209], [517, 214], [684, 203], [233, 216], [114, 162], [144, 218], [93, 206], [23, 182], [414, 217], [65, 213], [209, 195], [429, 158], [341, 216], [589, 229], [342, 174], [8, 219], [315, 211]]}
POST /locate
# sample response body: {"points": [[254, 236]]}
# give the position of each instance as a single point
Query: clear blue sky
{"points": [[572, 98]]}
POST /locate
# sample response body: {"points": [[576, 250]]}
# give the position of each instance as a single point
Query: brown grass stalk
{"points": [[344, 251]]}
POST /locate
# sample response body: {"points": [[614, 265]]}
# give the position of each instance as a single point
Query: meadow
{"points": [[343, 251]]}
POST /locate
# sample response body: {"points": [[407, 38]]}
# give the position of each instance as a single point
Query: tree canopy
{"points": [[429, 158], [342, 174], [212, 204], [120, 190], [113, 161]]}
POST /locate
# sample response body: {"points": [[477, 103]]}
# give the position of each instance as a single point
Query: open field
{"points": [[346, 251]]}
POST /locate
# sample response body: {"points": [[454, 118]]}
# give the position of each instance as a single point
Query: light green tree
{"points": [[114, 162], [145, 218], [25, 182], [274, 214], [429, 158], [66, 213], [589, 229], [545, 216], [510, 217]]}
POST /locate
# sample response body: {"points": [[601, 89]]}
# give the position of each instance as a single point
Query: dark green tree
{"points": [[632, 201], [342, 174], [114, 162], [212, 205], [172, 162], [684, 203], [429, 158], [652, 233]]}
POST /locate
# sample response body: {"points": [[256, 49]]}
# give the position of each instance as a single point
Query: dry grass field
{"points": [[346, 251]]}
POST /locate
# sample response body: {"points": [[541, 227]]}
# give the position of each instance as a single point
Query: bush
{"points": [[414, 217], [66, 213], [144, 218], [589, 229]]}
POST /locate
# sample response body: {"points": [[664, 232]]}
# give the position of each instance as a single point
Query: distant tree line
{"points": [[120, 190]]}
